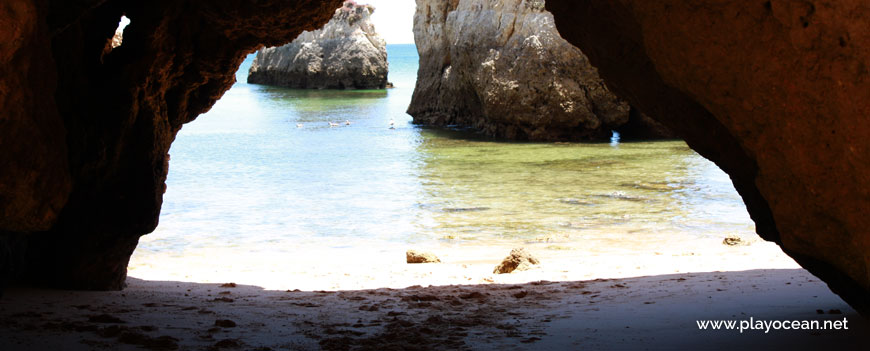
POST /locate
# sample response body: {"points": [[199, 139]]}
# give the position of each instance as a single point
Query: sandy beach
{"points": [[357, 265], [332, 299]]}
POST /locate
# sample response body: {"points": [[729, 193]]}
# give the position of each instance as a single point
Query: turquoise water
{"points": [[244, 175]]}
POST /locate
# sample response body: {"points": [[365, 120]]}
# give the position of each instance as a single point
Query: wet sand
{"points": [[629, 301]]}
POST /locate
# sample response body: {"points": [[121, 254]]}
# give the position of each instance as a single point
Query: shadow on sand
{"points": [[654, 312]]}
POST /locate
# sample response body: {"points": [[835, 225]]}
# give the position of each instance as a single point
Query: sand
{"points": [[345, 298], [356, 265]]}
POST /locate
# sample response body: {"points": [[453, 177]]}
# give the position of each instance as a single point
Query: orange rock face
{"points": [[85, 132], [35, 180], [777, 93]]}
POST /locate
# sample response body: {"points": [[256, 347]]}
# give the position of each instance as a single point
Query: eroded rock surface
{"points": [[347, 53], [35, 179], [414, 256], [776, 92], [502, 68], [518, 260], [85, 132]]}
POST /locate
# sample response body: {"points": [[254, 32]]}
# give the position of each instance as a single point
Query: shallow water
{"points": [[245, 177]]}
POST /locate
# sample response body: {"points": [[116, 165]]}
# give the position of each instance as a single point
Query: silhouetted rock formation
{"points": [[502, 68], [777, 93], [85, 133], [346, 53]]}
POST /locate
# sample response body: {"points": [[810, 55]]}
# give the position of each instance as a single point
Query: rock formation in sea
{"points": [[776, 92], [502, 68], [347, 53]]}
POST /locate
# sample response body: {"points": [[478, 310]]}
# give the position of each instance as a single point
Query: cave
{"points": [[756, 102], [774, 92]]}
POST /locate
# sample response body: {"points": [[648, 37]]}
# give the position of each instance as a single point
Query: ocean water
{"points": [[245, 177]]}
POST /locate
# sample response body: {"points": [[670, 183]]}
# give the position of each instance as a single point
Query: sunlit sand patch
{"points": [[378, 265]]}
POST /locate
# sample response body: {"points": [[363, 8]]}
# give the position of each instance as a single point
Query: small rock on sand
{"points": [[733, 240], [519, 259], [413, 256]]}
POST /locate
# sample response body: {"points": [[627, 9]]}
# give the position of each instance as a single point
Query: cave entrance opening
{"points": [[321, 189], [118, 39]]}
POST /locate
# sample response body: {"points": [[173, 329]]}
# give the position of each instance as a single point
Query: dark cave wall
{"points": [[86, 131], [777, 93], [34, 181]]}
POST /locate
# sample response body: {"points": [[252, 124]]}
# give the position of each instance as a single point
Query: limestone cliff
{"points": [[776, 92], [501, 67], [346, 53], [85, 134]]}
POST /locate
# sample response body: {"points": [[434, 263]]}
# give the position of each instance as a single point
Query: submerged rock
{"points": [[413, 256], [346, 53], [501, 67], [518, 260]]}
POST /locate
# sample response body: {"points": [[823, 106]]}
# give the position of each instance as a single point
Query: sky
{"points": [[394, 19]]}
